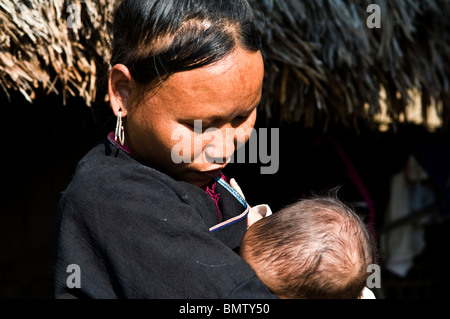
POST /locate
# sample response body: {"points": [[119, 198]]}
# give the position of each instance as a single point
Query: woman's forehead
{"points": [[234, 82]]}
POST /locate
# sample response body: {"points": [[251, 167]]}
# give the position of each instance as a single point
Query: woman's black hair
{"points": [[157, 38]]}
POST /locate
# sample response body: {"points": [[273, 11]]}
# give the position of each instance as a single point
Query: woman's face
{"points": [[161, 130]]}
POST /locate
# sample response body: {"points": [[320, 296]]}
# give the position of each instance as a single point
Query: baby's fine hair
{"points": [[316, 248]]}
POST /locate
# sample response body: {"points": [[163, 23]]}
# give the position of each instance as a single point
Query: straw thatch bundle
{"points": [[53, 44], [323, 63], [323, 60]]}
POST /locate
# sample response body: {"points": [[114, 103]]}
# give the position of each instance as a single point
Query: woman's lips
{"points": [[209, 174]]}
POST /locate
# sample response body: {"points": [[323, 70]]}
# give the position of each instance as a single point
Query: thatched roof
{"points": [[322, 61], [43, 45]]}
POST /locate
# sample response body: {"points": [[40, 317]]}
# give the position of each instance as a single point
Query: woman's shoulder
{"points": [[107, 175], [107, 165]]}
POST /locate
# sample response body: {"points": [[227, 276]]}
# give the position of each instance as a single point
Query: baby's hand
{"points": [[255, 213]]}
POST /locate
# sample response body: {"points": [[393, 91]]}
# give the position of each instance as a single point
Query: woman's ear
{"points": [[119, 88]]}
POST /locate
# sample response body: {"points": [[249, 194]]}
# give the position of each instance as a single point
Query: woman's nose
{"points": [[221, 146]]}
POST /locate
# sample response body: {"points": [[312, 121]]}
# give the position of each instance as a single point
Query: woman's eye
{"points": [[240, 119], [197, 126]]}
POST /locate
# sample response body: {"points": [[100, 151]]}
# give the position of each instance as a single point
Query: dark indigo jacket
{"points": [[135, 232]]}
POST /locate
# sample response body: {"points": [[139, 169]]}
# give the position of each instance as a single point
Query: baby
{"points": [[316, 248]]}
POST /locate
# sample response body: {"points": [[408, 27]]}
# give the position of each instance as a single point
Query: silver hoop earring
{"points": [[119, 133]]}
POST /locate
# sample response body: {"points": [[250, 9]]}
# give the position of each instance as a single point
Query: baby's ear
{"points": [[253, 216], [367, 294], [258, 212]]}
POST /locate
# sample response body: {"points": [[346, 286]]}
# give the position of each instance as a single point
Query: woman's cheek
{"points": [[180, 145], [246, 130]]}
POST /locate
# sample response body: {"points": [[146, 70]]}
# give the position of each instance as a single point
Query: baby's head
{"points": [[316, 248]]}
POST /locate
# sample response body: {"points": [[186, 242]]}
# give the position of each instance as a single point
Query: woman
{"points": [[137, 221]]}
